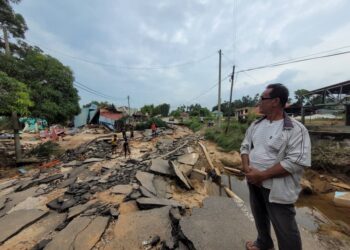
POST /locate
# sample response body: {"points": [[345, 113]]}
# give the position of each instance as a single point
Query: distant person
{"points": [[154, 129], [126, 147], [131, 131], [124, 132], [275, 151], [114, 144]]}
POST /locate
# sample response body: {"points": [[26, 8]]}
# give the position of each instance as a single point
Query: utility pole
{"points": [[129, 108], [219, 92], [230, 104]]}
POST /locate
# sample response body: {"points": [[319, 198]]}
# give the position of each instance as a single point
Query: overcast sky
{"points": [[160, 51]]}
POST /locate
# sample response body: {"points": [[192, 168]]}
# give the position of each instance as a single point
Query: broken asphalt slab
{"points": [[189, 159], [82, 233], [149, 203], [180, 174], [219, 224], [36, 232], [122, 189], [17, 220], [132, 229], [161, 166], [146, 180]]}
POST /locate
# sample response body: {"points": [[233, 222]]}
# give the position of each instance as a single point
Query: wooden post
{"points": [[16, 136]]}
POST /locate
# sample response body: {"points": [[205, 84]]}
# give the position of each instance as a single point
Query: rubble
{"points": [[91, 199]]}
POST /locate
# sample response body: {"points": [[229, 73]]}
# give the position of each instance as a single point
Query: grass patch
{"points": [[230, 141], [194, 124]]}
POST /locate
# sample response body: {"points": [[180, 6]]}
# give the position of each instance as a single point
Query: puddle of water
{"points": [[312, 210]]}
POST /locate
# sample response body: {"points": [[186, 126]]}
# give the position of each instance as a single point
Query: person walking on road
{"points": [[126, 147], [154, 129], [275, 151]]}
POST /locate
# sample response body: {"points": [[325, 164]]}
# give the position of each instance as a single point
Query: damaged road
{"points": [[93, 199]]}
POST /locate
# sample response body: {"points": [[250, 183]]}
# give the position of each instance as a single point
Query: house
{"points": [[245, 111]]}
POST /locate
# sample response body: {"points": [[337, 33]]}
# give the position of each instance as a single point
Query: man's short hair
{"points": [[280, 91]]}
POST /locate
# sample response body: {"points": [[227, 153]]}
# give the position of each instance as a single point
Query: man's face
{"points": [[266, 103]]}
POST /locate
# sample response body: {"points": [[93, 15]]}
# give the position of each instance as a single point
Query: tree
{"points": [[11, 23], [49, 81], [147, 109], [164, 109], [14, 96], [298, 95]]}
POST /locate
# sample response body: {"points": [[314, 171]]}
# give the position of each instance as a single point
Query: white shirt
{"points": [[290, 146]]}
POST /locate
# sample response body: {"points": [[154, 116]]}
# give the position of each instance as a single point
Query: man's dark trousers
{"points": [[282, 217]]}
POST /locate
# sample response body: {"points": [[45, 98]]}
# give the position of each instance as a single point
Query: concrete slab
{"points": [[161, 166], [65, 238], [3, 201], [67, 182], [30, 236], [73, 163], [199, 175], [185, 169], [15, 198], [146, 180], [219, 224], [76, 210], [7, 184], [133, 228], [88, 238], [31, 203], [16, 221], [149, 203], [189, 159], [93, 160], [146, 193], [162, 186], [179, 174], [121, 189]]}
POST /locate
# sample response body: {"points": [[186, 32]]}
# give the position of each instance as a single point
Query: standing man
{"points": [[275, 151]]}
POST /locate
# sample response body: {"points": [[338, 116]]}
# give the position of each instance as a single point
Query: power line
{"points": [[155, 67], [293, 61], [207, 91], [94, 92]]}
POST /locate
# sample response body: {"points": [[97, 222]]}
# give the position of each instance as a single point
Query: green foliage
{"points": [[99, 104], [230, 141], [198, 110], [14, 96], [299, 93], [46, 150], [50, 84], [194, 124], [151, 110], [147, 124]]}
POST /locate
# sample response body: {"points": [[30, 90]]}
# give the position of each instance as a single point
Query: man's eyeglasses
{"points": [[266, 98]]}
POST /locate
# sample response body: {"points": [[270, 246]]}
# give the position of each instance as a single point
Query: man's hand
{"points": [[255, 176]]}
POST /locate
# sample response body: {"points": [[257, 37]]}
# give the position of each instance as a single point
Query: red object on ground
{"points": [[51, 164]]}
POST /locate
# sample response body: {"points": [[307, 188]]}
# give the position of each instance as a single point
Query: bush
{"points": [[194, 124], [230, 141], [147, 124], [46, 150]]}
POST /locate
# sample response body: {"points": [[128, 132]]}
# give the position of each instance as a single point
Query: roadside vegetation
{"points": [[227, 141], [147, 124]]}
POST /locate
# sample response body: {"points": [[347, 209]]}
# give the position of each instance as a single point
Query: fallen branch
{"points": [[176, 149], [209, 160], [234, 171]]}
